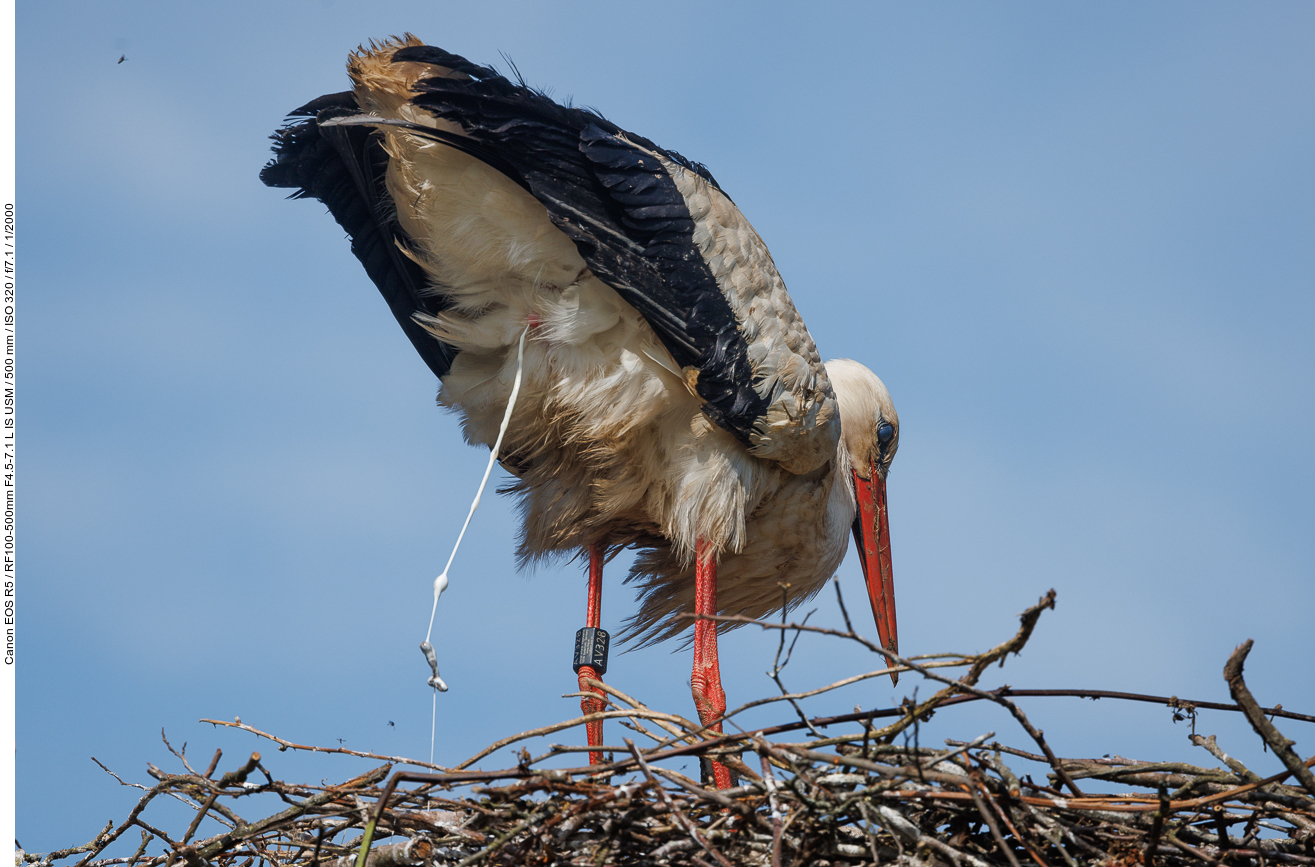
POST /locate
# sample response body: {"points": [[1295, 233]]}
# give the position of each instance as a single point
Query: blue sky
{"points": [[1076, 241]]}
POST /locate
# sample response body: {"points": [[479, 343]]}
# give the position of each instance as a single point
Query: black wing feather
{"points": [[343, 167], [607, 191], [602, 186]]}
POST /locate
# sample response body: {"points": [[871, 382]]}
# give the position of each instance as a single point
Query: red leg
{"points": [[587, 672], [705, 682]]}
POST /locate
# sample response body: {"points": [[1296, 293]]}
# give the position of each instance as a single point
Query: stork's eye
{"points": [[884, 433]]}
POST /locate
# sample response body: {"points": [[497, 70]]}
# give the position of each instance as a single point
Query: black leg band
{"points": [[591, 649]]}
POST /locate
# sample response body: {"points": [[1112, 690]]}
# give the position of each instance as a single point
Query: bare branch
{"points": [[1281, 746]]}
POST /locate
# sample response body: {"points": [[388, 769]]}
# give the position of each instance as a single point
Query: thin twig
{"points": [[289, 745]]}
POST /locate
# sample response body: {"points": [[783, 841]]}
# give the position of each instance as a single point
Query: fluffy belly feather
{"points": [[610, 447]]}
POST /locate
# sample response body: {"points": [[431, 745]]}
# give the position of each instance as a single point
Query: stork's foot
{"points": [[594, 730], [710, 701], [705, 681]]}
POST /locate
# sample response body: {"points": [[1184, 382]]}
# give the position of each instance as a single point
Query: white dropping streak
{"points": [[441, 582]]}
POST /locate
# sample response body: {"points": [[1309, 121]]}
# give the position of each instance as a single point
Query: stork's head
{"points": [[870, 429]]}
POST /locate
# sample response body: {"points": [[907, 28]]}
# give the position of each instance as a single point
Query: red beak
{"points": [[872, 536]]}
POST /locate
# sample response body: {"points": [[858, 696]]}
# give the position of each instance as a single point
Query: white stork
{"points": [[672, 398]]}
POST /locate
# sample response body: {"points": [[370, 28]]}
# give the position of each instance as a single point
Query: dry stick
{"points": [[1126, 804], [214, 763], [76, 850], [1305, 822], [1190, 850], [1028, 621], [636, 703], [857, 678], [1003, 692], [1106, 803], [218, 844], [1037, 735], [1097, 768], [1054, 832], [141, 850], [238, 777], [1004, 815], [176, 795], [819, 630], [416, 850], [864, 716], [676, 812], [1282, 746], [187, 853], [606, 704], [867, 832], [101, 765], [907, 714], [1157, 823], [954, 855], [1012, 784], [1086, 803], [694, 789], [559, 749], [778, 666], [102, 840], [769, 780], [934, 760], [964, 699], [1212, 746], [844, 612], [190, 783], [1167, 700], [289, 745], [633, 702], [500, 841], [572, 723], [990, 823], [262, 850], [834, 759], [998, 747], [690, 737], [381, 806], [200, 814], [1090, 804], [1277, 856], [861, 716], [182, 756], [232, 778], [319, 844], [163, 836]]}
